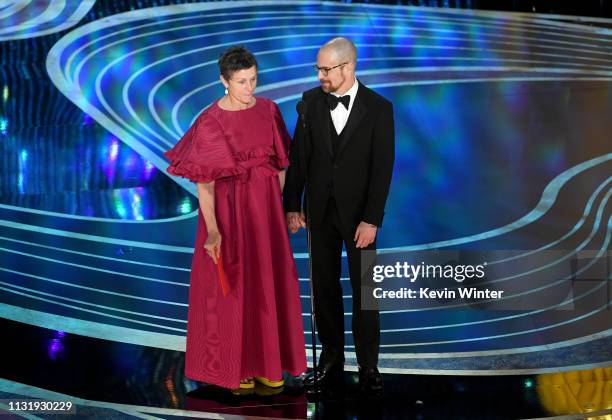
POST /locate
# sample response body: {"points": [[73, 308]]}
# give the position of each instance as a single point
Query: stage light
{"points": [[136, 204], [114, 150], [185, 206], [55, 348], [149, 168], [3, 126], [21, 178], [311, 410], [118, 204]]}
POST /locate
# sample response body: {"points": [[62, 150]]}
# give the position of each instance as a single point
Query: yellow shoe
{"points": [[267, 382], [243, 392], [247, 385], [266, 391]]}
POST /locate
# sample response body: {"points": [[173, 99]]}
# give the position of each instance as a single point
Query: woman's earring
{"points": [[226, 91]]}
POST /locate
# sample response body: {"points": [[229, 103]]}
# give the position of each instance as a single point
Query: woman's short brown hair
{"points": [[234, 59]]}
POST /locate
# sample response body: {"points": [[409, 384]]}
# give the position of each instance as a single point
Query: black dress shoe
{"points": [[326, 375], [370, 382]]}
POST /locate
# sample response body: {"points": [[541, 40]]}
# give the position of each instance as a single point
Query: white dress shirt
{"points": [[340, 114]]}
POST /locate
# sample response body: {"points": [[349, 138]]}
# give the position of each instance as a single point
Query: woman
{"points": [[244, 321]]}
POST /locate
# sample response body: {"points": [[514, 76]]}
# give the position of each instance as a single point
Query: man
{"points": [[345, 158]]}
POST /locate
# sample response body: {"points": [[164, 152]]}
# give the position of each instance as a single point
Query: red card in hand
{"points": [[222, 280]]}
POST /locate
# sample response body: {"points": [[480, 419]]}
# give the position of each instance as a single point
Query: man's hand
{"points": [[295, 221], [364, 235]]}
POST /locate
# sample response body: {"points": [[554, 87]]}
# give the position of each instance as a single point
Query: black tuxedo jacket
{"points": [[358, 175]]}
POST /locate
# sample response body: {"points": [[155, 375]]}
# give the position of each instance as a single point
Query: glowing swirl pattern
{"points": [[146, 74], [28, 18]]}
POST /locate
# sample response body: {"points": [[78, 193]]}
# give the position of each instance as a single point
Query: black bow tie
{"points": [[333, 101]]}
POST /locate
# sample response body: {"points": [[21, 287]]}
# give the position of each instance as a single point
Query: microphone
{"points": [[302, 108]]}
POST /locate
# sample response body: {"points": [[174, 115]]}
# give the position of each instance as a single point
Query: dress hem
{"points": [[204, 378]]}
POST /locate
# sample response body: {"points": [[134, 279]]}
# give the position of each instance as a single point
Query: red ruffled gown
{"points": [[256, 330]]}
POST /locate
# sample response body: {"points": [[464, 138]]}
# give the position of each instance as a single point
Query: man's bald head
{"points": [[336, 62], [343, 49]]}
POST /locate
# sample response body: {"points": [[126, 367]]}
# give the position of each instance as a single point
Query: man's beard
{"points": [[327, 87]]}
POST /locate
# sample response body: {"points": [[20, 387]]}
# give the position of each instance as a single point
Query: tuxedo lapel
{"points": [[324, 118], [357, 113]]}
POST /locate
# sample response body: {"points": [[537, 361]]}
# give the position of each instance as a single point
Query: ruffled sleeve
{"points": [[282, 139], [203, 154]]}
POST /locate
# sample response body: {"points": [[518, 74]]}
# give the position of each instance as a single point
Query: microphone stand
{"points": [[301, 109]]}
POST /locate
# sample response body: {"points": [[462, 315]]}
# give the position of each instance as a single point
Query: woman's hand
{"points": [[213, 245], [295, 221]]}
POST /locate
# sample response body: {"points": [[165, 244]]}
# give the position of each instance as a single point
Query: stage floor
{"points": [[504, 143], [108, 379]]}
